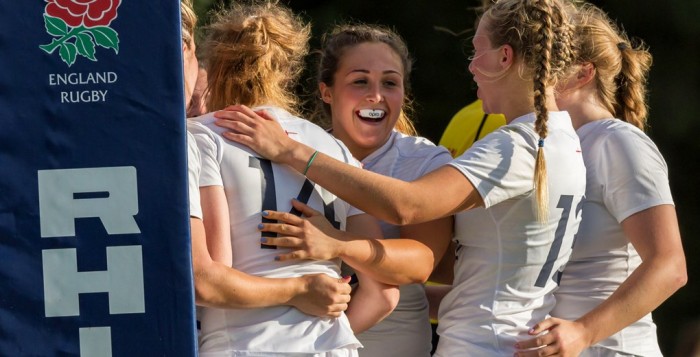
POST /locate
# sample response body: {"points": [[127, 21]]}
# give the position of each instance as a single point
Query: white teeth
{"points": [[371, 113]]}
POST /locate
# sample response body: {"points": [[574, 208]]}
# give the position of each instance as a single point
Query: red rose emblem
{"points": [[89, 13]]}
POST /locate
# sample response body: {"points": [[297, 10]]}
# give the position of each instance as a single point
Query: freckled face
{"points": [[366, 97]]}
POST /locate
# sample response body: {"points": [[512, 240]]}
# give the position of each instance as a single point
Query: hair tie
{"points": [[308, 163], [622, 46], [540, 143]]}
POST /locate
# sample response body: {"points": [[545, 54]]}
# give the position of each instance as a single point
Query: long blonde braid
{"points": [[541, 33]]}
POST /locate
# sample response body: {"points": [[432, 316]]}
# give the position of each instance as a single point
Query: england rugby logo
{"points": [[78, 26]]}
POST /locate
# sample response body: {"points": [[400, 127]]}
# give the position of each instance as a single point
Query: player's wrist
{"points": [[588, 331], [297, 288], [341, 248], [298, 156]]}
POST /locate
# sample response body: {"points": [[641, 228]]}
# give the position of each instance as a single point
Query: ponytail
{"points": [[621, 67], [631, 83]]}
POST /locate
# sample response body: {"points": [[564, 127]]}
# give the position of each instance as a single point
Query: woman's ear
{"points": [[326, 93], [585, 74], [507, 56], [579, 77]]}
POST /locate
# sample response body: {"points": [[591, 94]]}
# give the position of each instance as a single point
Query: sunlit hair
{"points": [[333, 47], [541, 35], [189, 21], [254, 55], [621, 67]]}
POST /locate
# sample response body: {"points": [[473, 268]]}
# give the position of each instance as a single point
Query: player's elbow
{"points": [[424, 273], [205, 292], [389, 299], [405, 213], [421, 266], [671, 271], [679, 275]]}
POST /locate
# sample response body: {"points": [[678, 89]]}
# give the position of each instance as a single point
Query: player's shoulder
{"points": [[411, 144], [613, 133], [508, 137], [418, 148], [606, 128], [198, 125], [309, 133]]}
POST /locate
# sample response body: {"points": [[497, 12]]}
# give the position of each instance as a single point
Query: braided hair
{"points": [[541, 34]]}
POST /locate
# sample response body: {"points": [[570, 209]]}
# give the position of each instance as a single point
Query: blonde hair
{"points": [[254, 55], [621, 67], [541, 34], [333, 47], [188, 22]]}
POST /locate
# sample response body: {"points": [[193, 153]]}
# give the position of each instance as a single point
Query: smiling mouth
{"points": [[371, 115]]}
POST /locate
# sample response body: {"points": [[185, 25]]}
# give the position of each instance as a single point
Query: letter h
{"points": [[123, 281]]}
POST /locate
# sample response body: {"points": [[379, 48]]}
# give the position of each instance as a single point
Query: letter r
{"points": [[58, 207]]}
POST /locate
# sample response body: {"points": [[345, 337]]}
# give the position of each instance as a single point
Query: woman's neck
{"points": [[524, 103], [587, 110]]}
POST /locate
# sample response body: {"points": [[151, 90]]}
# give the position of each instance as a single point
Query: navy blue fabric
{"points": [[133, 118]]}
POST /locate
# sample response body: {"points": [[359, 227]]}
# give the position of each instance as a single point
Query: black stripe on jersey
{"points": [[269, 195], [303, 196]]}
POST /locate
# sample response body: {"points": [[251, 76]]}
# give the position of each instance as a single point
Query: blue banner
{"points": [[94, 231]]}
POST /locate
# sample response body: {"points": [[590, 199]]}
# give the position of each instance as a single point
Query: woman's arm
{"points": [[219, 285], [391, 261], [371, 302], [216, 223], [655, 235], [438, 194]]}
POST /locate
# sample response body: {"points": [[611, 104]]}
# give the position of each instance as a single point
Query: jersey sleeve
{"points": [[193, 171], [438, 158], [209, 147], [634, 174], [501, 165]]}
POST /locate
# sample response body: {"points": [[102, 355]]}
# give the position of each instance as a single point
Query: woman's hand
{"points": [[256, 130], [309, 237], [323, 296], [563, 338]]}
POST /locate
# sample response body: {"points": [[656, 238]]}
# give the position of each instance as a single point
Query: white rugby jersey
{"points": [[507, 263], [406, 331], [194, 167], [253, 184], [626, 174]]}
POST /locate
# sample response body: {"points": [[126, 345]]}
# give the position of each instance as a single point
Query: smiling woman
{"points": [[363, 82], [365, 96]]}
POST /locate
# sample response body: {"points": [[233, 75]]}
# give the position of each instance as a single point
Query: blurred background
{"points": [[438, 34]]}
